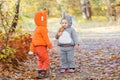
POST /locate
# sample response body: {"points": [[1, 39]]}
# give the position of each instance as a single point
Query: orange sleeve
{"points": [[50, 46], [31, 47], [46, 38]]}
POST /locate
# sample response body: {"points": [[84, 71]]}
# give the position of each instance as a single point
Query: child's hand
{"points": [[50, 50], [77, 47], [59, 34], [30, 53]]}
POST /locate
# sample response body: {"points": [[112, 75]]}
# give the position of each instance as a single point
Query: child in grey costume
{"points": [[67, 41]]}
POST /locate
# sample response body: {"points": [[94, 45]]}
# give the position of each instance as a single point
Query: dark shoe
{"points": [[71, 70], [42, 74]]}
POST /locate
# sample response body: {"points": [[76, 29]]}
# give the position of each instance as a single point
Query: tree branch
{"points": [[15, 19]]}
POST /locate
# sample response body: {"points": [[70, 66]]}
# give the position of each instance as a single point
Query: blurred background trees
{"points": [[20, 13], [95, 10], [17, 15]]}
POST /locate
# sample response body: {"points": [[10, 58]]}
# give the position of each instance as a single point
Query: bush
{"points": [[16, 49]]}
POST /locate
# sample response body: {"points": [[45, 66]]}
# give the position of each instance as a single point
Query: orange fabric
{"points": [[31, 47], [40, 36], [40, 40], [43, 58], [41, 18]]}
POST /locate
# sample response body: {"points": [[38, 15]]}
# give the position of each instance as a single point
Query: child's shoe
{"points": [[63, 70], [42, 74], [71, 70]]}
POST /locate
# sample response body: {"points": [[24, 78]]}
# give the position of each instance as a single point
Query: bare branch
{"points": [[15, 19]]}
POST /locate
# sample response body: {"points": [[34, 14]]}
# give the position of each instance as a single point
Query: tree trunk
{"points": [[15, 19], [86, 9], [111, 10], [117, 8]]}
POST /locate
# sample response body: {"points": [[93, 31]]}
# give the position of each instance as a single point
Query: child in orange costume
{"points": [[40, 43]]}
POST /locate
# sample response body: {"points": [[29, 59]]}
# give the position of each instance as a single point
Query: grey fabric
{"points": [[67, 57], [73, 34], [68, 18], [69, 29], [67, 53]]}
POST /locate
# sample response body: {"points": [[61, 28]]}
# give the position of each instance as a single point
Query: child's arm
{"points": [[31, 49], [58, 35], [59, 32], [46, 38], [75, 39]]}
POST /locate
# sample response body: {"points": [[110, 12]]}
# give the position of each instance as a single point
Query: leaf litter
{"points": [[97, 59]]}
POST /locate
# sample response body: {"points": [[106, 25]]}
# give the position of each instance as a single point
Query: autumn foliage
{"points": [[17, 48]]}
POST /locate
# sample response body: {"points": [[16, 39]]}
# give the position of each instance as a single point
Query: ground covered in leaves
{"points": [[97, 59], [99, 63]]}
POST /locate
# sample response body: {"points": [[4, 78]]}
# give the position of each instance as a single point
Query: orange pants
{"points": [[43, 57]]}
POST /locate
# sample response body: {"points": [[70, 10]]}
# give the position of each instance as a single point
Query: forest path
{"points": [[97, 59], [99, 54]]}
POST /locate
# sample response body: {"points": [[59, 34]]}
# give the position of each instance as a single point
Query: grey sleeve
{"points": [[75, 36]]}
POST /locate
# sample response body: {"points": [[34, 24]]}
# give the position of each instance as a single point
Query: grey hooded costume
{"points": [[67, 44]]}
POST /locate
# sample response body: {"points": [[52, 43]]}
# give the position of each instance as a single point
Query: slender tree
{"points": [[86, 9], [5, 23], [111, 10], [15, 19]]}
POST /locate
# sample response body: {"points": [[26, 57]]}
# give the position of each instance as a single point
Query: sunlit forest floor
{"points": [[97, 59]]}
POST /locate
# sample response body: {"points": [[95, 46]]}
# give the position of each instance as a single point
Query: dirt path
{"points": [[99, 55], [97, 59]]}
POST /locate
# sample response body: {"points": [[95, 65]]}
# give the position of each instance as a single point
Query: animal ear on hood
{"points": [[67, 17], [40, 18]]}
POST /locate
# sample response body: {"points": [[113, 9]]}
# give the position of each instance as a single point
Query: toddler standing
{"points": [[41, 43], [67, 41]]}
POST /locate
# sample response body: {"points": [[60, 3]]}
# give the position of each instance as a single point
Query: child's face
{"points": [[64, 23]]}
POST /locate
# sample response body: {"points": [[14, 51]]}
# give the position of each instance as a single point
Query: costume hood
{"points": [[40, 18], [68, 18]]}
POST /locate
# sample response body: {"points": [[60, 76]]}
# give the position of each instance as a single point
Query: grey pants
{"points": [[67, 57]]}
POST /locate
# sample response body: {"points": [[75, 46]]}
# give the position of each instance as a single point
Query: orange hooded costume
{"points": [[40, 40]]}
